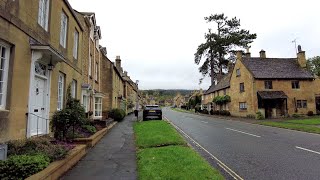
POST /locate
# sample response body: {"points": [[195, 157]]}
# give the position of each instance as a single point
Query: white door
{"points": [[38, 108]]}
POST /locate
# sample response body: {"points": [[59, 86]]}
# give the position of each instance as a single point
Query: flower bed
{"points": [[27, 157], [95, 138]]}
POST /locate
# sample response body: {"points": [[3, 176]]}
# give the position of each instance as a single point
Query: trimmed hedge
{"points": [[22, 166], [117, 114]]}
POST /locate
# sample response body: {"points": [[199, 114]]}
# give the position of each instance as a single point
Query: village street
{"points": [[253, 151]]}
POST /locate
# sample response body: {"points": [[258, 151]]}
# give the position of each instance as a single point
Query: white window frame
{"points": [[242, 106], [5, 70], [90, 65], [43, 15], [96, 71], [63, 29], [61, 82], [95, 105], [74, 88], [85, 102], [75, 44]]}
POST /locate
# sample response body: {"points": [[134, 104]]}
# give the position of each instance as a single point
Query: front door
{"points": [[39, 101]]}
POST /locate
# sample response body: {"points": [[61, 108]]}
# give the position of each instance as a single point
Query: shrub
{"points": [[117, 114], [310, 113], [211, 111], [220, 100], [295, 115], [73, 114], [197, 108], [259, 115], [216, 112], [89, 128], [22, 166], [252, 116], [37, 146]]}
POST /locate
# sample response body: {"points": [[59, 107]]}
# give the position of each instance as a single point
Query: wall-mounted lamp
{"points": [[50, 65]]}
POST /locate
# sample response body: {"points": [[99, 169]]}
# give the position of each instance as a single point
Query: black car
{"points": [[152, 111]]}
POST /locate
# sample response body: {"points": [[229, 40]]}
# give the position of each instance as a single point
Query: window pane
{"points": [[3, 52]]}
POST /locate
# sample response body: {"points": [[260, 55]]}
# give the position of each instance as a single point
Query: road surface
{"points": [[253, 151]]}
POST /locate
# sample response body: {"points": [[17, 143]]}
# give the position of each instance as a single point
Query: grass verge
{"points": [[155, 134], [315, 121], [173, 162], [163, 154], [299, 126]]}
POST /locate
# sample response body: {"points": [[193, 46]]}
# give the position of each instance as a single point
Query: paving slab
{"points": [[114, 157]]}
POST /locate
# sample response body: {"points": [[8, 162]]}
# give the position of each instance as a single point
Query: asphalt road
{"points": [[254, 151]]}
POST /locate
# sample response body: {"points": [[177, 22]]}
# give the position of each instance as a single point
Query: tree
{"points": [[220, 45], [313, 65]]}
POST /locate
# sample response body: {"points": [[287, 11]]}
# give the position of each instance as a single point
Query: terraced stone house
{"points": [[276, 87]]}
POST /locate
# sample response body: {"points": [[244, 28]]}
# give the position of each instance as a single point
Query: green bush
{"points": [[259, 115], [22, 166], [37, 146], [310, 113], [220, 100], [117, 114], [74, 114], [89, 128]]}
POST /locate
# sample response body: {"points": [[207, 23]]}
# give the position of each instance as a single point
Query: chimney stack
{"points": [[239, 55], [118, 62], [262, 54], [301, 57], [125, 73], [248, 54]]}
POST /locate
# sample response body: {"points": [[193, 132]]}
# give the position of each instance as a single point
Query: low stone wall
{"points": [[95, 138], [58, 168]]}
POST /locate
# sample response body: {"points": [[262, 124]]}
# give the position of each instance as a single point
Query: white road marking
{"points": [[204, 122], [220, 163], [307, 150], [243, 132]]}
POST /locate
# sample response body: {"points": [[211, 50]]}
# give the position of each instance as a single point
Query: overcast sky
{"points": [[156, 40]]}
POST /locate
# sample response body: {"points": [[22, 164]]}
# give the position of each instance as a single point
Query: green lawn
{"points": [[308, 125], [163, 154], [155, 134], [173, 162], [314, 121]]}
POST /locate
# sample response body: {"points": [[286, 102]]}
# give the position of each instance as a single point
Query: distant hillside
{"points": [[166, 92]]}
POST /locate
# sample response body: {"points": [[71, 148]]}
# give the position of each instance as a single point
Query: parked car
{"points": [[152, 112]]}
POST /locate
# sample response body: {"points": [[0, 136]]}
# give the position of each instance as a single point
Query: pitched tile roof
{"points": [[272, 95], [224, 83], [276, 68]]}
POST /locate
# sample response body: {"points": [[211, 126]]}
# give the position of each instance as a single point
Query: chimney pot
{"points": [[125, 73], [263, 54]]}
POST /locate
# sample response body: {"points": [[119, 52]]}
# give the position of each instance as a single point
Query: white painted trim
{"points": [[36, 56], [5, 75]]}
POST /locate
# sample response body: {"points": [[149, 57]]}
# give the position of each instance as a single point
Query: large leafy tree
{"points": [[220, 45], [313, 65]]}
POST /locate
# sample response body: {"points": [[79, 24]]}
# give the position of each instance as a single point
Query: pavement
{"points": [[114, 157], [253, 151]]}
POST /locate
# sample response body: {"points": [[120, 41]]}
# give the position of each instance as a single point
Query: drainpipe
{"points": [[99, 64]]}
